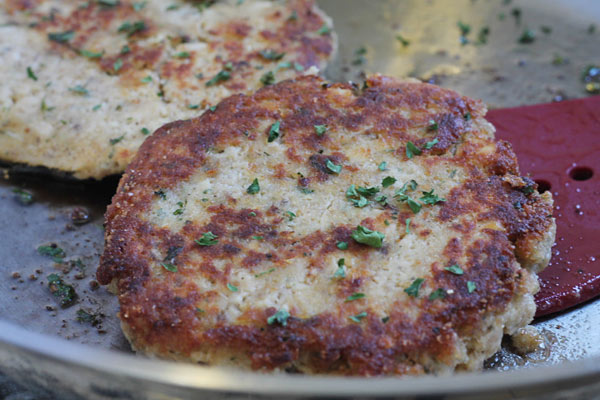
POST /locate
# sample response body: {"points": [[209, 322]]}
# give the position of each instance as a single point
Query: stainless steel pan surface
{"points": [[79, 352]]}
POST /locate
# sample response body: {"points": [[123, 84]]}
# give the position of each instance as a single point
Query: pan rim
{"points": [[110, 362]]}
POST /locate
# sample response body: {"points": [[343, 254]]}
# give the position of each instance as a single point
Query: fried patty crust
{"points": [[85, 82], [328, 228]]}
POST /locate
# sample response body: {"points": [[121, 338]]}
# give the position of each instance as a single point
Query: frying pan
{"points": [[95, 361]]}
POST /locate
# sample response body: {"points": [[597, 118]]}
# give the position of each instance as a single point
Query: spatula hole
{"points": [[581, 173], [543, 185]]}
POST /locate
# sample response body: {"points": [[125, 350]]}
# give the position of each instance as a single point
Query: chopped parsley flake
{"points": [[96, 107], [342, 245], [193, 106], [221, 76], [383, 201], [527, 37], [252, 214], [179, 211], [79, 90], [271, 55], [125, 49], [290, 215], [23, 197], [320, 129], [116, 140], [232, 288], [471, 287], [355, 296], [402, 40], [145, 131], [412, 150], [467, 116], [280, 317], [336, 169], [274, 131], [324, 29], [254, 187], [264, 273], [455, 269], [413, 289], [182, 54], [268, 78], [258, 237], [430, 198], [382, 166], [66, 293], [132, 28], [117, 65], [169, 267], [56, 253], [90, 54], [368, 237], [429, 145], [437, 294], [433, 126], [356, 318], [146, 79], [414, 206], [341, 270], [207, 239], [61, 37], [367, 191], [161, 193], [31, 74], [407, 230], [388, 181]]}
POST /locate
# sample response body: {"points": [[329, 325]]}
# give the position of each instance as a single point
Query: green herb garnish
{"points": [[320, 129], [324, 29], [61, 37], [117, 65], [412, 150], [60, 289], [232, 287], [430, 198], [23, 197], [274, 131], [31, 74], [355, 296], [528, 36], [207, 239], [264, 273], [407, 222], [382, 166], [254, 187], [271, 55], [182, 54], [368, 237], [437, 294], [146, 79], [56, 253], [356, 318], [471, 287], [79, 90], [116, 140], [342, 245], [290, 215], [169, 267], [90, 54], [145, 131], [402, 40], [388, 181], [280, 316], [268, 78], [413, 289], [341, 270], [132, 28], [429, 145], [455, 269], [336, 169], [221, 76]]}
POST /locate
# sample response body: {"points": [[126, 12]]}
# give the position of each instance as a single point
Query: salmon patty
{"points": [[328, 228], [85, 82]]}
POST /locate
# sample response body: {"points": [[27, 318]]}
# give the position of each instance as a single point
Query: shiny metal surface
{"points": [[93, 362]]}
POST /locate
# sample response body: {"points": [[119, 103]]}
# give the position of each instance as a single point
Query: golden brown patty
{"points": [[328, 228], [85, 82]]}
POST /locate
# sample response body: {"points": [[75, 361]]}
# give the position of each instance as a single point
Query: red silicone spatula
{"points": [[558, 144]]}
